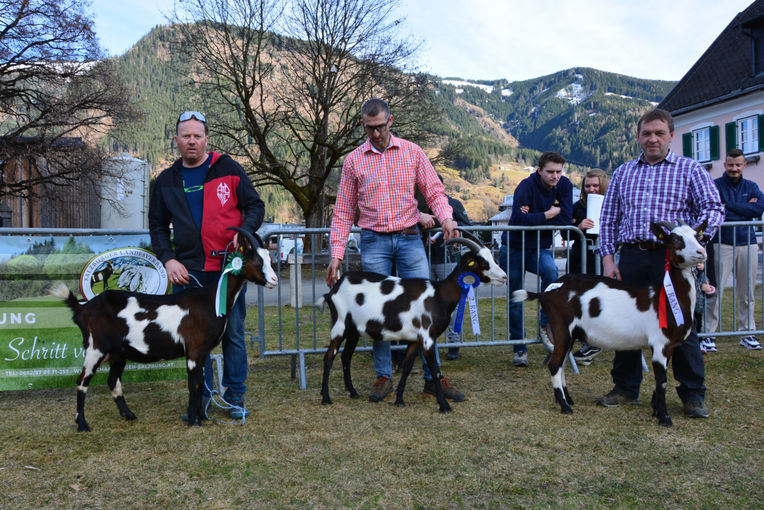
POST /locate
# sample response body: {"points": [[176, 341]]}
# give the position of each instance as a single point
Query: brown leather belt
{"points": [[408, 230], [646, 245]]}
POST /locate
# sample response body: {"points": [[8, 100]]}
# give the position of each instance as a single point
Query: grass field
{"points": [[507, 446]]}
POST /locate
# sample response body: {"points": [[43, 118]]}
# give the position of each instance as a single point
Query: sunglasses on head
{"points": [[192, 115]]}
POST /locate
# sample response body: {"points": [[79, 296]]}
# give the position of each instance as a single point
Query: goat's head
{"points": [[257, 267], [479, 260], [682, 241]]}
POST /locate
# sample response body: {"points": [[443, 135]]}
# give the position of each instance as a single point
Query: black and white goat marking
{"points": [[388, 308], [119, 326], [611, 315]]}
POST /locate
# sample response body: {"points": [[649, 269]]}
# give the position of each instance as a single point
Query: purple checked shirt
{"points": [[677, 189]]}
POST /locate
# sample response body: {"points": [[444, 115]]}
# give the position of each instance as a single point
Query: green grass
{"points": [[507, 446]]}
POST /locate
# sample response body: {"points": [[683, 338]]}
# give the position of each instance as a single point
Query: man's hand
{"points": [[176, 272], [332, 272], [552, 212], [609, 268], [426, 220], [525, 209], [449, 229], [586, 224]]}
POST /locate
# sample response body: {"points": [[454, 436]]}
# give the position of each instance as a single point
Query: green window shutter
{"points": [[687, 144], [730, 134], [713, 132], [761, 133]]}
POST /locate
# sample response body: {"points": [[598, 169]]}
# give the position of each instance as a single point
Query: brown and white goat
{"points": [[119, 326], [612, 315], [388, 308]]}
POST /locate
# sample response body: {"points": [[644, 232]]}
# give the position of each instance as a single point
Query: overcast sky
{"points": [[514, 39]]}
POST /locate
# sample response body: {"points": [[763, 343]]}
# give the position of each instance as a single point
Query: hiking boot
{"points": [[586, 354], [381, 388], [695, 408], [453, 354], [520, 359], [750, 342], [449, 391], [708, 345], [615, 399], [239, 410]]}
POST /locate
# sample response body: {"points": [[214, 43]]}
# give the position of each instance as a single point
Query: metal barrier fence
{"points": [[291, 326]]}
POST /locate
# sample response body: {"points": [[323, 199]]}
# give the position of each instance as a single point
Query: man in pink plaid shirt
{"points": [[380, 178]]}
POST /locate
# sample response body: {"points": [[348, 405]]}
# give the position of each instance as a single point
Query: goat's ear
{"points": [[658, 231], [700, 229]]}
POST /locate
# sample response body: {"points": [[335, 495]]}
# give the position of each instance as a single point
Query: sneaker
{"points": [[381, 388], [453, 354], [695, 408], [520, 359], [449, 391], [615, 399], [240, 411], [586, 354], [708, 345], [750, 342]]}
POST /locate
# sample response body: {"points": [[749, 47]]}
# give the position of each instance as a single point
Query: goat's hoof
{"points": [[399, 403], [83, 427], [326, 401], [354, 394], [196, 421], [445, 409], [665, 421], [566, 410], [129, 416]]}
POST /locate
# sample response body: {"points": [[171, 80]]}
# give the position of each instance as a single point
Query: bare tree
{"points": [[289, 105], [57, 95]]}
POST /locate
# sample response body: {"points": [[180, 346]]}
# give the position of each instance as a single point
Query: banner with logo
{"points": [[40, 346]]}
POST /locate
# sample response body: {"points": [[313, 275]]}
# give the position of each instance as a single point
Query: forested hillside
{"points": [[488, 130]]}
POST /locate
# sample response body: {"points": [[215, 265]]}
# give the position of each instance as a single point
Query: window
{"points": [[701, 146], [748, 134]]}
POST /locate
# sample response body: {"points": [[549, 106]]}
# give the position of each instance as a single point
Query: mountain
{"points": [[491, 131], [588, 116]]}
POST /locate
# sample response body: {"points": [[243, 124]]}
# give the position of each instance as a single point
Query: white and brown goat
{"points": [[612, 315], [119, 326], [388, 308]]}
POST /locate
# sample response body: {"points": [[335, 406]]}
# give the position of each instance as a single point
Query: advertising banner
{"points": [[40, 346]]}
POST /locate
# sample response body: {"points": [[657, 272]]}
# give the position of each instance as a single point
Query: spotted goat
{"points": [[612, 315], [388, 308], [119, 326]]}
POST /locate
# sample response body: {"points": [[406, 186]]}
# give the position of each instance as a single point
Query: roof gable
{"points": [[724, 71]]}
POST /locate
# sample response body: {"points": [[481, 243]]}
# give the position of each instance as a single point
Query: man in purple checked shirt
{"points": [[657, 186]]}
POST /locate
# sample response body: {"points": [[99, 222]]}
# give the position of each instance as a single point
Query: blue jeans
{"points": [[234, 348], [378, 253], [536, 262], [646, 267]]}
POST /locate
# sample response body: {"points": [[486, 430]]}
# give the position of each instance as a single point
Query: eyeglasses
{"points": [[380, 127], [192, 115]]}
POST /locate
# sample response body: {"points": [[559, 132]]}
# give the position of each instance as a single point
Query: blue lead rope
{"points": [[466, 281]]}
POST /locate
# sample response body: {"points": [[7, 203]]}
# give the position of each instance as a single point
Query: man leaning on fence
{"points": [[544, 198], [658, 186], [736, 247], [379, 178]]}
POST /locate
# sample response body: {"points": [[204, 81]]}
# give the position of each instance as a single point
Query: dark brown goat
{"points": [[612, 315], [119, 326]]}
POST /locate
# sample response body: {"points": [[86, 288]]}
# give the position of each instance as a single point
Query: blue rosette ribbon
{"points": [[233, 265], [466, 281]]}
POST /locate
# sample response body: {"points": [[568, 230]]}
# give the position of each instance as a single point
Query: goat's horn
{"points": [[254, 240], [667, 225], [469, 243]]}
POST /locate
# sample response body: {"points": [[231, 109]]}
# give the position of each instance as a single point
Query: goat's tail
{"points": [[60, 290], [523, 295]]}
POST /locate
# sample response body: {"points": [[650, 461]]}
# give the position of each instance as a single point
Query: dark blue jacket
{"points": [[736, 201], [532, 192]]}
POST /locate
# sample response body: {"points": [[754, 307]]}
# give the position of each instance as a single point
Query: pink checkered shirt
{"points": [[382, 186]]}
